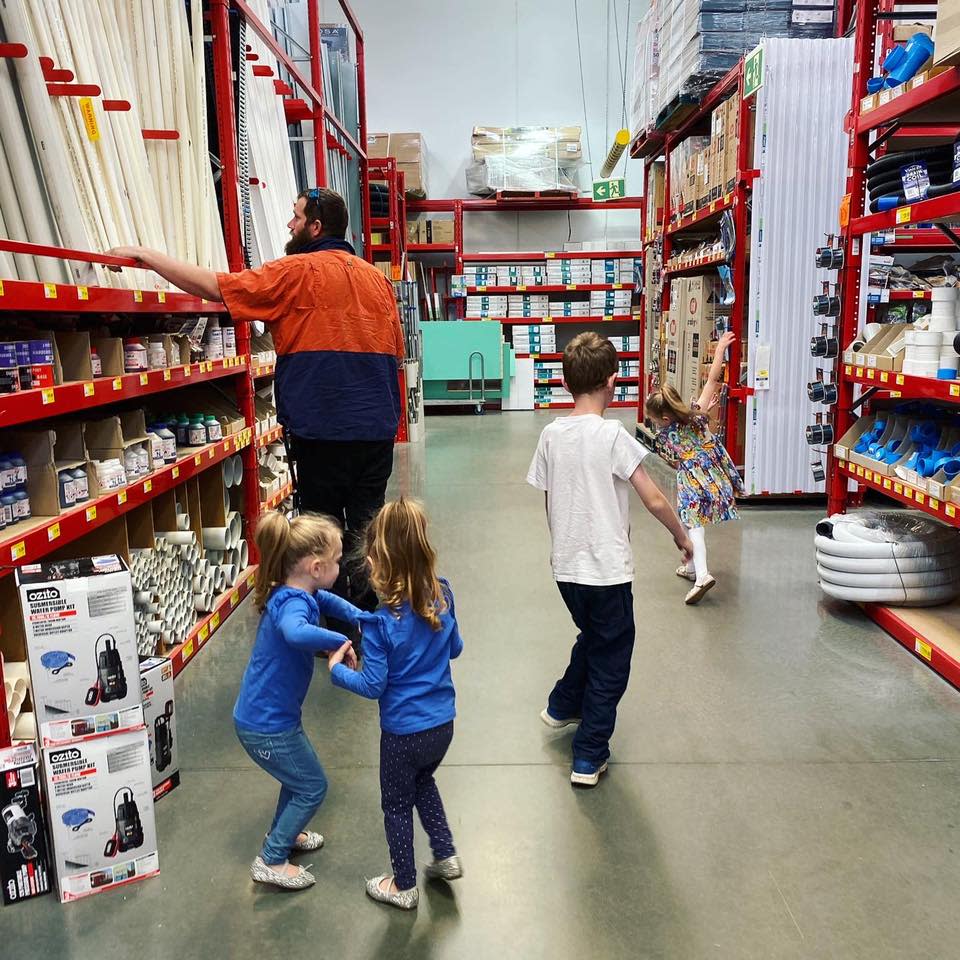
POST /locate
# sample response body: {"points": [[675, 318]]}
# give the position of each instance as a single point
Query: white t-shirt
{"points": [[584, 464]]}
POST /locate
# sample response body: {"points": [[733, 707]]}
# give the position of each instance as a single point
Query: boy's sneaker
{"points": [[698, 591], [557, 723], [586, 774], [447, 869]]}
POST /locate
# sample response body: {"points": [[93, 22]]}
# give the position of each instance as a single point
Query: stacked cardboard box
{"points": [[430, 231], [524, 159], [528, 305], [568, 271], [409, 151], [483, 305], [606, 302], [535, 338], [695, 310]]}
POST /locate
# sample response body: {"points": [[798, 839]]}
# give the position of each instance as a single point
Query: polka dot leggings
{"points": [[407, 765]]}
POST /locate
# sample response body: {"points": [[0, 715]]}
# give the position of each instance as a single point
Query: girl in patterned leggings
{"points": [[408, 644], [707, 480]]}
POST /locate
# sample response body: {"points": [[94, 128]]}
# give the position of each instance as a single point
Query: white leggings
{"points": [[698, 537]]}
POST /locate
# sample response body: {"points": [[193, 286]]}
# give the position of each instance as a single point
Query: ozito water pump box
{"points": [[24, 849], [81, 646], [156, 690], [100, 800]]}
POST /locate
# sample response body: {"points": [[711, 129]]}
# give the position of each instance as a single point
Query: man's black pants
{"points": [[346, 480]]}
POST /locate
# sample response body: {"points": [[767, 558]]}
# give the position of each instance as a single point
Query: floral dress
{"points": [[707, 480]]}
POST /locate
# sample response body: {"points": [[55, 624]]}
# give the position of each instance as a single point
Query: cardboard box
{"points": [[24, 854], [156, 692], [378, 145], [100, 799], [407, 148], [81, 646], [947, 35], [414, 183], [844, 446], [439, 231]]}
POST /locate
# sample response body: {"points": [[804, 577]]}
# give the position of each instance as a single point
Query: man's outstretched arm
{"points": [[187, 276]]}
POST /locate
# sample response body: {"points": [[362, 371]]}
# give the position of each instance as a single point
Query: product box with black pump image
{"points": [[100, 800], [156, 689], [81, 646], [24, 850]]}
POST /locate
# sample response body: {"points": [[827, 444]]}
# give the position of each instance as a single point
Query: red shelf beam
{"points": [[554, 288], [700, 218], [27, 542], [925, 388], [27, 296], [904, 493], [205, 628], [270, 436], [923, 211], [521, 203], [277, 498], [551, 255], [81, 395], [623, 354], [563, 405], [427, 248], [696, 267], [557, 382], [901, 106], [263, 370], [527, 321]]}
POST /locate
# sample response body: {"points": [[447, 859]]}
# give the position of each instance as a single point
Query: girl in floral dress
{"points": [[707, 480]]}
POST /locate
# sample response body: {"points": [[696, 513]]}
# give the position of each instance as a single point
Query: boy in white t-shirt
{"points": [[586, 466]]}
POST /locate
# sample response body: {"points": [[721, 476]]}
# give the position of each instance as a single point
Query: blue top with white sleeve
{"points": [[278, 675], [406, 666]]}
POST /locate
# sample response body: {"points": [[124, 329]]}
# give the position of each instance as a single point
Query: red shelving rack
{"points": [[30, 541], [671, 231], [933, 635]]}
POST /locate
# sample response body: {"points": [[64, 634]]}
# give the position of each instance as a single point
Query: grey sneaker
{"points": [[264, 873], [403, 899], [555, 723], [313, 842], [448, 869]]}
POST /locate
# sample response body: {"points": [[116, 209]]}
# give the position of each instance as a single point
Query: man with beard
{"points": [[338, 338]]}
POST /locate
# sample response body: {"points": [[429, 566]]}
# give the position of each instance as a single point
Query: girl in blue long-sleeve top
{"points": [[408, 644], [299, 562]]}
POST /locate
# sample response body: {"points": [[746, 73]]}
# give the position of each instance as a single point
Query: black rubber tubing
{"points": [[892, 161]]}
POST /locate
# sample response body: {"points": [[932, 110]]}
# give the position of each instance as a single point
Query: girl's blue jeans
{"points": [[290, 758]]}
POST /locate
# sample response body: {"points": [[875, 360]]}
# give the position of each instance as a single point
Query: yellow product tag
{"points": [[138, 296], [950, 510], [215, 621], [859, 371], [898, 488], [89, 118], [175, 472], [144, 379], [859, 471], [934, 503], [904, 214], [868, 475], [900, 380], [924, 649], [196, 460], [147, 486], [251, 580], [908, 492], [884, 376], [481, 289], [919, 295], [1, 288], [47, 396], [162, 296], [89, 389], [871, 374], [955, 389], [234, 598], [187, 372], [521, 289], [571, 286], [91, 514], [18, 551], [212, 452], [921, 499], [187, 650], [121, 498], [50, 291], [886, 484], [204, 633], [53, 531], [117, 383], [167, 375], [83, 293]]}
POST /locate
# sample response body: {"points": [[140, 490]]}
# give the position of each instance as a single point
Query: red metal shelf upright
{"points": [[929, 107]]}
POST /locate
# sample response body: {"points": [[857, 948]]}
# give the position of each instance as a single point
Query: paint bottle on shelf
{"points": [[229, 341], [134, 355], [131, 462], [213, 341], [6, 507], [21, 506], [96, 365], [143, 459], [183, 430], [81, 484], [156, 355], [213, 428], [8, 474], [198, 432], [20, 466], [157, 446], [66, 489]]}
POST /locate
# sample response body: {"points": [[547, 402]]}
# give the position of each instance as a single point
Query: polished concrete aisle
{"points": [[784, 780]]}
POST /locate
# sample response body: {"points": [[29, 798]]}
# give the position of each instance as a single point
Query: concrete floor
{"points": [[784, 778]]}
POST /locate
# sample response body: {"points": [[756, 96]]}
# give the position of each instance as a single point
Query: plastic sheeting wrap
{"points": [[524, 159], [890, 557], [801, 152]]}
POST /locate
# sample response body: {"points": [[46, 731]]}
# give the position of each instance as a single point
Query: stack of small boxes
{"points": [[562, 272], [536, 338], [486, 305], [610, 302], [528, 305]]}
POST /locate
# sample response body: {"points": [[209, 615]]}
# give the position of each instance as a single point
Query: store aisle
{"points": [[783, 781]]}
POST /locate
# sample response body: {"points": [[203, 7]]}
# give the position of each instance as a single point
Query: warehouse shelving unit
{"points": [[32, 540], [924, 107], [672, 232]]}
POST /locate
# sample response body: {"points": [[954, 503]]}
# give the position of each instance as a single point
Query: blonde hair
{"points": [[402, 561], [283, 543], [666, 402]]}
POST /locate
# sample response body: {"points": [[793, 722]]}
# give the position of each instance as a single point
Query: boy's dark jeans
{"points": [[599, 666]]}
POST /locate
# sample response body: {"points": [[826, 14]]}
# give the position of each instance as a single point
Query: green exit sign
{"points": [[753, 72], [609, 190]]}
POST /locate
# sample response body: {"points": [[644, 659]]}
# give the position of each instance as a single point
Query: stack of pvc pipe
{"points": [[943, 320], [107, 184], [232, 476], [226, 550], [16, 688]]}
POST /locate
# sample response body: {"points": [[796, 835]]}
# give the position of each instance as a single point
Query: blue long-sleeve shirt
{"points": [[406, 666], [280, 669]]}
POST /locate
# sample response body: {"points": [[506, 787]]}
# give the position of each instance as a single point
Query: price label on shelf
{"points": [[167, 374], [521, 289], [187, 371], [934, 503], [204, 633], [900, 380], [147, 486], [234, 598], [83, 293], [89, 389], [251, 580], [91, 514], [1, 288], [212, 452], [904, 214], [187, 650], [121, 498], [868, 475], [138, 296], [50, 291], [950, 510], [117, 383], [886, 484], [919, 295], [196, 460], [47, 396], [897, 488], [884, 376], [923, 649], [162, 296], [18, 551], [53, 532], [215, 621], [481, 289], [921, 498], [144, 379], [571, 286], [175, 472]]}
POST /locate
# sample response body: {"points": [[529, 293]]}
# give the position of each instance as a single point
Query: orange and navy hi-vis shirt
{"points": [[338, 338]]}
